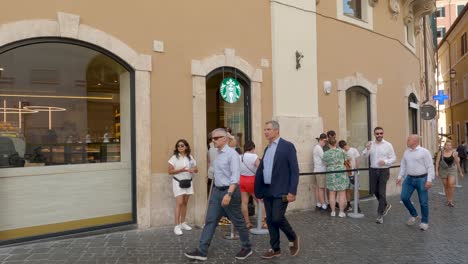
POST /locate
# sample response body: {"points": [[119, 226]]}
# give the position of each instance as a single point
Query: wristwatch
{"points": [[230, 194]]}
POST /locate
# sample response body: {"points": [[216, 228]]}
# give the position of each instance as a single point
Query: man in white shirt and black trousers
{"points": [[382, 156], [417, 167]]}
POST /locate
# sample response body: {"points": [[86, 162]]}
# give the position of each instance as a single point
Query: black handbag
{"points": [[184, 184]]}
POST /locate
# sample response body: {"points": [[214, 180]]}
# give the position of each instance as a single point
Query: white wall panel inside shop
{"points": [[47, 195]]}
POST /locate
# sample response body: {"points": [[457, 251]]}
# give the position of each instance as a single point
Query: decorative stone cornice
{"points": [[373, 2], [394, 6], [414, 10]]}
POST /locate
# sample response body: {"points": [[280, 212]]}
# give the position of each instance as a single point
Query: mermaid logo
{"points": [[230, 90]]}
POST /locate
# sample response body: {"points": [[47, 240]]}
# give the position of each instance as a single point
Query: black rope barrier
{"points": [[340, 171]]}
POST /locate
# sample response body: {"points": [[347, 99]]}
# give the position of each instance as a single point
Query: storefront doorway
{"points": [[228, 103], [359, 130]]}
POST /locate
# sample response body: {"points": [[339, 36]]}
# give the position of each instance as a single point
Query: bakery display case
{"points": [[77, 153]]}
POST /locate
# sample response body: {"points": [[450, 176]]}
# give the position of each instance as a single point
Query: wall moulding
{"points": [[414, 10]]}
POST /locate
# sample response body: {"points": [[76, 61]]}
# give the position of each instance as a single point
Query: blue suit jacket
{"points": [[285, 174]]}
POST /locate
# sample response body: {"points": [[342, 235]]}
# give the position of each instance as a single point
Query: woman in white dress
{"points": [[181, 167]]}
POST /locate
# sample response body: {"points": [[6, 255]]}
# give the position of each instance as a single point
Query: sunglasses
{"points": [[216, 138], [379, 133], [181, 145]]}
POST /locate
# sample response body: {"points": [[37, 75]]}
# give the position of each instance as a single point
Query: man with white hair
{"points": [[417, 170]]}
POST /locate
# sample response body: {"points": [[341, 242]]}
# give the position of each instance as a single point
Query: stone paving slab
{"points": [[324, 240]]}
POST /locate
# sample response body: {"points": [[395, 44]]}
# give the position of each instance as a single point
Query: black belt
{"points": [[222, 188], [418, 176]]}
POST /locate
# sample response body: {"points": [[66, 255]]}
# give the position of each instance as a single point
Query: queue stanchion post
{"points": [[355, 213], [457, 184], [259, 230], [232, 234]]}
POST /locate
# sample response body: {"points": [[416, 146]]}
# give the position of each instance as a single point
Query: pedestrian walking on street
{"points": [[225, 198], [447, 163], [337, 182], [276, 183], [461, 149], [182, 166], [417, 170], [382, 156], [249, 162]]}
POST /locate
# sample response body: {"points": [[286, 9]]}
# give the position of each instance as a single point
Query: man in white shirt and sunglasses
{"points": [[382, 156]]}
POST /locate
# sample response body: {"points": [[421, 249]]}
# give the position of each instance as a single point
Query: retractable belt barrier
{"points": [[355, 213]]}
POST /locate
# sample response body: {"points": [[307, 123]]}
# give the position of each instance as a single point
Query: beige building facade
{"points": [[453, 80], [374, 64], [108, 96]]}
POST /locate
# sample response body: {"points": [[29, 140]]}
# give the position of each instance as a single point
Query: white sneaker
{"points": [[333, 213], [324, 206], [184, 226], [411, 221], [342, 215], [178, 230], [423, 226]]}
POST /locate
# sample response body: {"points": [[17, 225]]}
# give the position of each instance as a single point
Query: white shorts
{"points": [[179, 191]]}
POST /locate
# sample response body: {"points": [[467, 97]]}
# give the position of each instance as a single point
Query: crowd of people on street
{"points": [[235, 177]]}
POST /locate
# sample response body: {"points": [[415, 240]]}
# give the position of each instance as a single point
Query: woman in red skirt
{"points": [[249, 162]]}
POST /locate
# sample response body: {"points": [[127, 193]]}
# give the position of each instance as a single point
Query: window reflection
{"points": [[75, 95], [353, 8]]}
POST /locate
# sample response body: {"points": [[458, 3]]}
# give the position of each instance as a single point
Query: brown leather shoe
{"points": [[294, 247], [269, 254]]}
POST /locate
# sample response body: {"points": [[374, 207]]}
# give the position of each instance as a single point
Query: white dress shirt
{"points": [[416, 162], [380, 151], [318, 162]]}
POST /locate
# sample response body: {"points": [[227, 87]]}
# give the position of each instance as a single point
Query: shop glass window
{"points": [[62, 104]]}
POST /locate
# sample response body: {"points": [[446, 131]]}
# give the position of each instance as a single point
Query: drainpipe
{"points": [[450, 87], [426, 74]]}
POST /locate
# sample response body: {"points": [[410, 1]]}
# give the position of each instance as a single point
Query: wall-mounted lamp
{"points": [[453, 73], [299, 57], [1, 71], [327, 87]]}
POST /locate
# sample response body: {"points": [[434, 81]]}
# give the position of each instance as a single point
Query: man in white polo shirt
{"points": [[417, 167]]}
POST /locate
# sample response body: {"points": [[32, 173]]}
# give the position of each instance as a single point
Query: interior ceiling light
{"points": [[15, 110], [49, 109], [58, 96]]}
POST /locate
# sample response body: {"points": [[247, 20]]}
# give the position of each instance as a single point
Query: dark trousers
{"points": [[463, 164], [378, 186], [214, 214], [275, 209]]}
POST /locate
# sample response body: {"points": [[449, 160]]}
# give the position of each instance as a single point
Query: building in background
{"points": [[453, 80], [446, 13]]}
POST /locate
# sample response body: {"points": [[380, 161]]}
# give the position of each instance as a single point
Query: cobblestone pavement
{"points": [[324, 240]]}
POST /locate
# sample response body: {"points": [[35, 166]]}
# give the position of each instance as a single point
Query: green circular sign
{"points": [[230, 90]]}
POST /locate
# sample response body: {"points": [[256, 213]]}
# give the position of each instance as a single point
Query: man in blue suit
{"points": [[276, 183]]}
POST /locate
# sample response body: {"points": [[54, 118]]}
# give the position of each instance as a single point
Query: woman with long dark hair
{"points": [[182, 166]]}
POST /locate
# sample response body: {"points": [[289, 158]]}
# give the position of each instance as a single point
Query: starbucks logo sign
{"points": [[230, 90]]}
